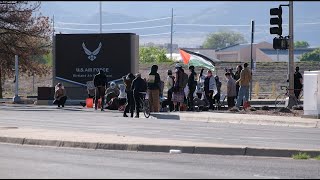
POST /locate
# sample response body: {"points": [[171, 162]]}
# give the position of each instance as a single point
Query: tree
{"points": [[301, 44], [222, 39], [25, 33], [152, 55], [311, 56]]}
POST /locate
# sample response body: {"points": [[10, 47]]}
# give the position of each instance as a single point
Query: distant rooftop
{"points": [[283, 54], [234, 47]]}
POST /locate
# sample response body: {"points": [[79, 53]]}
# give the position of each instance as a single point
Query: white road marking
{"points": [[267, 177]]}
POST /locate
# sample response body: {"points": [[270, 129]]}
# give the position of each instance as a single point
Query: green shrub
{"points": [[301, 156]]}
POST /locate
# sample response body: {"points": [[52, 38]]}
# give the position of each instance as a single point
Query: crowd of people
{"points": [[183, 91]]}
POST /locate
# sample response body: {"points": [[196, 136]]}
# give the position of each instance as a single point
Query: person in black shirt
{"points": [[138, 85], [297, 83], [154, 89], [218, 95], [100, 82], [192, 84]]}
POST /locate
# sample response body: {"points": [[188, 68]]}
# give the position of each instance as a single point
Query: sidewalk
{"points": [[229, 117], [74, 127], [73, 139]]}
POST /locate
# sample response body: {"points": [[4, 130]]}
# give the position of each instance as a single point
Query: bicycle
{"points": [[282, 98], [145, 105]]}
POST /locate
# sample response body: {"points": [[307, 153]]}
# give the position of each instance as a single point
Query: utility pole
{"points": [[100, 17], [53, 55], [16, 97], [291, 56], [171, 34], [251, 55]]}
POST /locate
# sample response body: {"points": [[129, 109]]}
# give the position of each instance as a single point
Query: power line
{"points": [[76, 29], [215, 25], [132, 22], [145, 35], [150, 27]]}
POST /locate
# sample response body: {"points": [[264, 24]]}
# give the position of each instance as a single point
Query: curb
{"points": [[208, 119], [244, 151]]}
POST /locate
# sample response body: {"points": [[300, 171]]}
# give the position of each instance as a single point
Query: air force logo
{"points": [[91, 55]]}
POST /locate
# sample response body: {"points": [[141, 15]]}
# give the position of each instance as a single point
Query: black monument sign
{"points": [[78, 57]]}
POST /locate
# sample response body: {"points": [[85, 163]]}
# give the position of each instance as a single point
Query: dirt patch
{"points": [[294, 113]]}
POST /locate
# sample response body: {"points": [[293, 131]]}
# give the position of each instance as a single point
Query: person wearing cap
{"points": [[297, 83], [100, 82], [138, 87], [60, 95], [170, 85], [130, 100], [154, 88], [192, 84]]}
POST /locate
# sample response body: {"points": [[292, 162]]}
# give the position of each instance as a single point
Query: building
{"points": [[166, 46], [209, 52], [261, 52], [175, 48], [267, 55], [241, 52]]}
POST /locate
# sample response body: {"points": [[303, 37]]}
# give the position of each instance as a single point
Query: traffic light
{"points": [[276, 21], [280, 43]]}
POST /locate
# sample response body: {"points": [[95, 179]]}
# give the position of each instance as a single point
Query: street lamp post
{"points": [[16, 97]]}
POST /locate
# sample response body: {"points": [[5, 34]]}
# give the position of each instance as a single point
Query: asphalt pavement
{"points": [[110, 123], [28, 162]]}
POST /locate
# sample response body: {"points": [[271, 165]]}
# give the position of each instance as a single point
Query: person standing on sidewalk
{"points": [[244, 82], [178, 90], [210, 88], [231, 90], [237, 77], [170, 84], [192, 84], [130, 100], [297, 83], [200, 85], [154, 89], [100, 82], [138, 86], [217, 97]]}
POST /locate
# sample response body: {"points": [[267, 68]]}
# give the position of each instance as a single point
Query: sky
{"points": [[307, 12]]}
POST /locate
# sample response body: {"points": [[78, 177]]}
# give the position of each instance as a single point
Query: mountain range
{"points": [[192, 21]]}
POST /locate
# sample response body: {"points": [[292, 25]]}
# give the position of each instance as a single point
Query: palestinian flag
{"points": [[196, 59]]}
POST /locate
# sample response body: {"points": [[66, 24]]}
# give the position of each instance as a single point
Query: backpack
{"points": [[184, 80]]}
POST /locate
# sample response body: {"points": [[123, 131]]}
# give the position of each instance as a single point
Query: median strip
{"points": [[244, 151]]}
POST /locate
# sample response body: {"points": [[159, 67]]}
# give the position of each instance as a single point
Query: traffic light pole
{"points": [[252, 64], [291, 57]]}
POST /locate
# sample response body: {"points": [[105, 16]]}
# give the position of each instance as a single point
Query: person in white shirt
{"points": [[210, 88]]}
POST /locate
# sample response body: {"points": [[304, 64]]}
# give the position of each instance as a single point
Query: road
{"points": [[84, 120], [18, 161]]}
